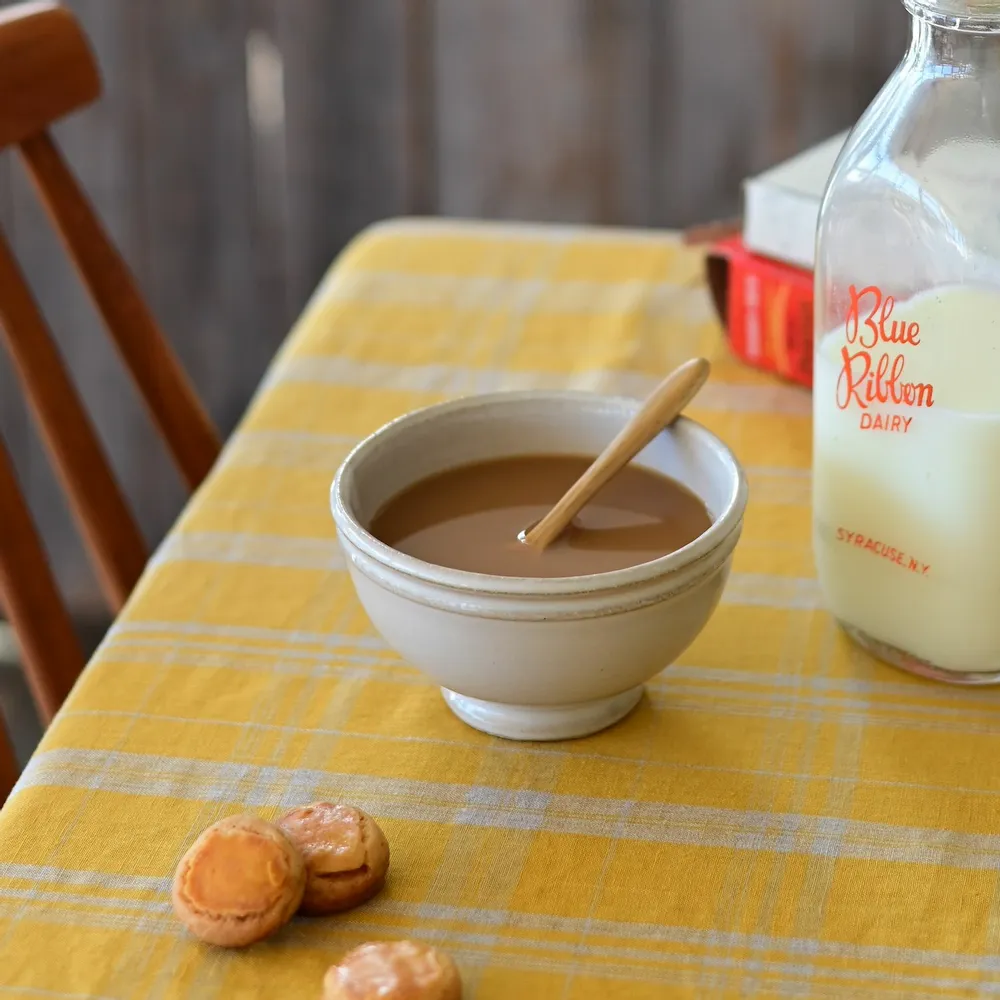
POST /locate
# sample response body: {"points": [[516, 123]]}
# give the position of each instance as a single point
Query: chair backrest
{"points": [[47, 70]]}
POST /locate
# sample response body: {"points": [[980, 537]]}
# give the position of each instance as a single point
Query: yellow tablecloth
{"points": [[779, 817]]}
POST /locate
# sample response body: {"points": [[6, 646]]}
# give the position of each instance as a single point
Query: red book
{"points": [[767, 308]]}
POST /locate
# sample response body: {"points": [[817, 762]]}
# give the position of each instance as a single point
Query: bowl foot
{"points": [[542, 722]]}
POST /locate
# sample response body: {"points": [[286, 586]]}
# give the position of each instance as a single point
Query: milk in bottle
{"points": [[907, 369]]}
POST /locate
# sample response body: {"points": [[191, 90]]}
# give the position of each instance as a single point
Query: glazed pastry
{"points": [[393, 970], [239, 882], [345, 852]]}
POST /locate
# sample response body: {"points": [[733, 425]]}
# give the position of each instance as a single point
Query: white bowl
{"points": [[525, 658]]}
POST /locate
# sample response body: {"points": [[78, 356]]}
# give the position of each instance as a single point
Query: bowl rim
{"points": [[351, 528]]}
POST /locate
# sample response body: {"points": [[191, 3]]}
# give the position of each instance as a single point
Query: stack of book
{"points": [[761, 278]]}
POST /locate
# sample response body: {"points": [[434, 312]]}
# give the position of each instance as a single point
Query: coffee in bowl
{"points": [[468, 518]]}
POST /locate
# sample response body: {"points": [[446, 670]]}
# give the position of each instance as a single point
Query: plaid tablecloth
{"points": [[780, 816]]}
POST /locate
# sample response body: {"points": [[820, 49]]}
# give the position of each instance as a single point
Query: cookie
{"points": [[393, 970], [345, 852], [239, 882]]}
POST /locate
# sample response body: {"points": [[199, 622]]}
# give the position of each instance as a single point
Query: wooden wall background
{"points": [[241, 143]]}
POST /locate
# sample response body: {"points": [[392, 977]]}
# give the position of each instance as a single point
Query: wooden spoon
{"points": [[662, 408]]}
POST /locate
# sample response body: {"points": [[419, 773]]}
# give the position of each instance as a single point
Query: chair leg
{"points": [[30, 597], [8, 765]]}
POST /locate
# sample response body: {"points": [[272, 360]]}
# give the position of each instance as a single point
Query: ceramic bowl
{"points": [[522, 658]]}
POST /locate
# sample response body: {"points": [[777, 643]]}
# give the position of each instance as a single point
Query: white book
{"points": [[781, 205]]}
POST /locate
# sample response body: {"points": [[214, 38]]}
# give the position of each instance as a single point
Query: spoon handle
{"points": [[659, 411]]}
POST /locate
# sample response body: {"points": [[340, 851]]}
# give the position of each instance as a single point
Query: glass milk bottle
{"points": [[907, 370]]}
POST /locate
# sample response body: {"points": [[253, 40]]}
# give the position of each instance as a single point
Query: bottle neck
{"points": [[967, 16], [952, 43]]}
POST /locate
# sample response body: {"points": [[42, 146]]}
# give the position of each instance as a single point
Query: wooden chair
{"points": [[47, 70]]}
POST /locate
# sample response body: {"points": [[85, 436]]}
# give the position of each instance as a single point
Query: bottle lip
{"points": [[965, 15]]}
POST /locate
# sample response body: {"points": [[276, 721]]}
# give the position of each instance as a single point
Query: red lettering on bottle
{"points": [[883, 550], [864, 380]]}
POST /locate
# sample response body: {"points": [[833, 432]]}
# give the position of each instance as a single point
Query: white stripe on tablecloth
{"points": [[724, 692], [288, 449], [139, 635], [474, 946], [688, 300], [451, 380], [502, 919], [325, 452], [789, 593], [754, 589], [537, 232], [299, 636], [279, 551], [472, 805], [676, 698]]}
